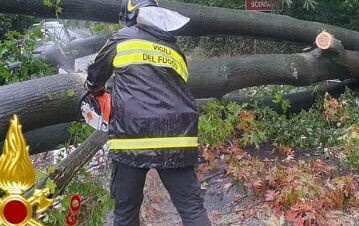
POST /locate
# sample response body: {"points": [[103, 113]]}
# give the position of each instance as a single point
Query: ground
{"points": [[226, 204]]}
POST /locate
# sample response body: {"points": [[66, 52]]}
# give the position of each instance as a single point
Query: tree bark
{"points": [[47, 138], [41, 102], [217, 76], [204, 20], [54, 99]]}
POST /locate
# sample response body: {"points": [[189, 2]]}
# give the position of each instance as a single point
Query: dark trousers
{"points": [[181, 183]]}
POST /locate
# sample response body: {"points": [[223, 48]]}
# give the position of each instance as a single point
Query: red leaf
{"points": [[299, 221], [208, 155], [240, 175], [270, 195], [214, 215], [291, 215], [292, 170], [289, 158]]}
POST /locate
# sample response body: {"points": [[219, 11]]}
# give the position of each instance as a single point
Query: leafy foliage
{"points": [[218, 122], [18, 48], [49, 182], [320, 126], [15, 23], [221, 122], [56, 4], [78, 132], [303, 192], [298, 192], [336, 12], [90, 186], [95, 199], [350, 145]]}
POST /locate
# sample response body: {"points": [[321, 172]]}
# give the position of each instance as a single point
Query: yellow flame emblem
{"points": [[17, 175], [131, 7]]}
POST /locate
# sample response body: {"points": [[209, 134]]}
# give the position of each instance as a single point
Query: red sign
{"points": [[72, 216], [263, 5]]}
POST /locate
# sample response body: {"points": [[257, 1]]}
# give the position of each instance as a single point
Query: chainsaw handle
{"points": [[82, 97]]}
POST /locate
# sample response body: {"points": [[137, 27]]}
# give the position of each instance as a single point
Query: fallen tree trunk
{"points": [[204, 20], [301, 100], [41, 102], [47, 138], [54, 99], [217, 76]]}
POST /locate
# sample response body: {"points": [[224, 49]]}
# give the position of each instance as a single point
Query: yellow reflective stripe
{"points": [[149, 143], [137, 44], [146, 52], [143, 58]]}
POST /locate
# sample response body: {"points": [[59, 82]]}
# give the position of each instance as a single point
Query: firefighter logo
{"points": [[17, 176]]}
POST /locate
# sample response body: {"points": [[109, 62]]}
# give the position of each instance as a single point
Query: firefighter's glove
{"points": [[94, 90]]}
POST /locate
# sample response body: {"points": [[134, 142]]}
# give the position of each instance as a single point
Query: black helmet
{"points": [[129, 8]]}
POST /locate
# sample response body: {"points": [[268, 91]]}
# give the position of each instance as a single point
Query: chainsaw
{"points": [[96, 110]]}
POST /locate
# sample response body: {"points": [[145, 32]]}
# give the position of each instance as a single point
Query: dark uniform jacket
{"points": [[153, 122]]}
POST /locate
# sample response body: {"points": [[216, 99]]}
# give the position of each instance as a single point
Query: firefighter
{"points": [[154, 119]]}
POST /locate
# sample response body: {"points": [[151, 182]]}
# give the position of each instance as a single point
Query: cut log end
{"points": [[324, 40]]}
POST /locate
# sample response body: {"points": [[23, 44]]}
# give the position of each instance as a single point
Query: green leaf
{"points": [[47, 3], [51, 169], [70, 92]]}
